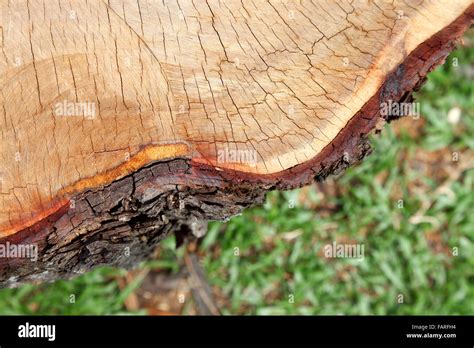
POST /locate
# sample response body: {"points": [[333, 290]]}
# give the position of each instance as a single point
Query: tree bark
{"points": [[124, 121]]}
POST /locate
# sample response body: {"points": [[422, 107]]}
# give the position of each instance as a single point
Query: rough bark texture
{"points": [[121, 223]]}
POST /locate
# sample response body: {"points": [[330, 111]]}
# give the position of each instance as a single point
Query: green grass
{"points": [[271, 270]]}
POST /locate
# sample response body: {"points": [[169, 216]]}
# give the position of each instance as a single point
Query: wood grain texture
{"points": [[234, 98]]}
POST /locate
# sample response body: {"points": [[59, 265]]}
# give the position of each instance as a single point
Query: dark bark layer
{"points": [[122, 223]]}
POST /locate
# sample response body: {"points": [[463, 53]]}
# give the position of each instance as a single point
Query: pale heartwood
{"points": [[123, 121]]}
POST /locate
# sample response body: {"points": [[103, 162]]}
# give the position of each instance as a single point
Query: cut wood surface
{"points": [[122, 121]]}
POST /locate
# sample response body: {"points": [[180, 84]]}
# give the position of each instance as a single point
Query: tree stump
{"points": [[124, 121]]}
